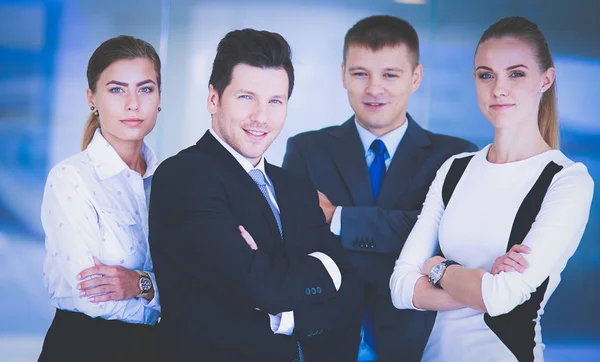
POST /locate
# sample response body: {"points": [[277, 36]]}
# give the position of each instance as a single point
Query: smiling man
{"points": [[248, 268], [373, 173]]}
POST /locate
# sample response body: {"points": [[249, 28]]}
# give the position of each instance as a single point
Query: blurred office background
{"points": [[45, 46]]}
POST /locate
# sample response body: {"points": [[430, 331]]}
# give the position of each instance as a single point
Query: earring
{"points": [[95, 111], [159, 109]]}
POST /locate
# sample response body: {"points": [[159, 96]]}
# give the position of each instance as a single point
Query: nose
{"points": [[374, 87], [259, 113], [499, 89], [132, 102]]}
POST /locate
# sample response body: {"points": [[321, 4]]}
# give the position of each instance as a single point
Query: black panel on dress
{"points": [[516, 329], [457, 168]]}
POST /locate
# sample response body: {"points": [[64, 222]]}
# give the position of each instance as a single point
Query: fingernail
{"points": [[78, 276], [81, 294], [92, 300], [78, 286]]}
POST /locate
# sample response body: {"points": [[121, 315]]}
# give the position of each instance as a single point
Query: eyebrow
{"points": [[123, 84], [239, 91], [509, 68], [353, 69]]}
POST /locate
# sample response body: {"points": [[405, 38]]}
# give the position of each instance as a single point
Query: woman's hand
{"points": [[111, 282], [249, 240], [426, 269], [512, 261]]}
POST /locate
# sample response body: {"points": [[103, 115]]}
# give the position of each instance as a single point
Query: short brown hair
{"points": [[380, 31]]}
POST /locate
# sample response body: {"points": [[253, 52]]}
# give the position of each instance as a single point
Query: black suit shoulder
{"points": [[450, 142]]}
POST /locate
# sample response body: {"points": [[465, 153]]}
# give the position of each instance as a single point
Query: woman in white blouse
{"points": [[98, 269], [516, 215]]}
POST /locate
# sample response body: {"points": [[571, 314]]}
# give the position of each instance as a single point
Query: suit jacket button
{"points": [[313, 290], [307, 291], [319, 290]]}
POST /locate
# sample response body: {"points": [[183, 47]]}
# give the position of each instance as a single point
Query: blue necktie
{"points": [[377, 173], [377, 168], [259, 178]]}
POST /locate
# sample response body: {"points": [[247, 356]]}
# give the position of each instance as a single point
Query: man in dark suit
{"points": [[247, 267], [373, 173]]}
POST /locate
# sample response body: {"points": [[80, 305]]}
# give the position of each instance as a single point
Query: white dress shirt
{"points": [[95, 205], [284, 322], [391, 140]]}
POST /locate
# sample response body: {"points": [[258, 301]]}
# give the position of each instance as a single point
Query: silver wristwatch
{"points": [[437, 272], [145, 283]]}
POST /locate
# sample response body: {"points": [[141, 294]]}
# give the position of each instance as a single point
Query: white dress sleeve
{"points": [[553, 238]]}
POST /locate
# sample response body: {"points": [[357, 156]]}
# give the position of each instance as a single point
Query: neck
{"points": [[516, 144], [130, 152], [383, 130]]}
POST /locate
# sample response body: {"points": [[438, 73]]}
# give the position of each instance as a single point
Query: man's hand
{"points": [[512, 261], [248, 238], [327, 207]]}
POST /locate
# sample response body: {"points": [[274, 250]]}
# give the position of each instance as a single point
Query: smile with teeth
{"points": [[373, 104], [256, 133]]}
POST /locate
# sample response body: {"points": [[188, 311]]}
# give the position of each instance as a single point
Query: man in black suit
{"points": [[373, 173], [247, 267]]}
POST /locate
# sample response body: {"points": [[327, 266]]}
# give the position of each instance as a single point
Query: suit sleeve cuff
{"points": [[336, 221], [331, 266], [283, 323]]}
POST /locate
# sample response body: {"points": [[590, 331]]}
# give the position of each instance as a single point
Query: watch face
{"points": [[146, 284], [436, 272]]}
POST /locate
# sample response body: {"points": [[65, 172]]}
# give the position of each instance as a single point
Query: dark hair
{"points": [[112, 50], [379, 31], [529, 33], [256, 48]]}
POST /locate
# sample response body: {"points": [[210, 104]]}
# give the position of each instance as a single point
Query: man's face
{"points": [[252, 109], [379, 84]]}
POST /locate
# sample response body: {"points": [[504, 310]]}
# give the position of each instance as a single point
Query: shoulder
{"points": [[574, 175], [73, 169], [312, 137], [450, 143]]}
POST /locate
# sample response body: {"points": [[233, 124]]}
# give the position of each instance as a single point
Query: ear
{"points": [[548, 78], [344, 75], [212, 103], [90, 97], [417, 77]]}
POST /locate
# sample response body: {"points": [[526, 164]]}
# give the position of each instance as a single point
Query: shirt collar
{"points": [[243, 161], [391, 139], [107, 161]]}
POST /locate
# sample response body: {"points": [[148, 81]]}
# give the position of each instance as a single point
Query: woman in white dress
{"points": [[98, 269], [507, 218]]}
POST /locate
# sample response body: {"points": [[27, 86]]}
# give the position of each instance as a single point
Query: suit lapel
{"points": [[409, 155], [348, 154], [241, 177]]}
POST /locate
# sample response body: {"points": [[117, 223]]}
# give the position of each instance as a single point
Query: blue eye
{"points": [[517, 75], [244, 96], [146, 90], [390, 76], [359, 74], [485, 76], [116, 90], [276, 101]]}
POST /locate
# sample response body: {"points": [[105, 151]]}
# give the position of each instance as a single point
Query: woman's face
{"points": [[127, 98], [509, 81]]}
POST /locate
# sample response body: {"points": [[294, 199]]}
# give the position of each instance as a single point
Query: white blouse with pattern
{"points": [[95, 205]]}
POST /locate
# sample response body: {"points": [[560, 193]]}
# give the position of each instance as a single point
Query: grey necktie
{"points": [[259, 178]]}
